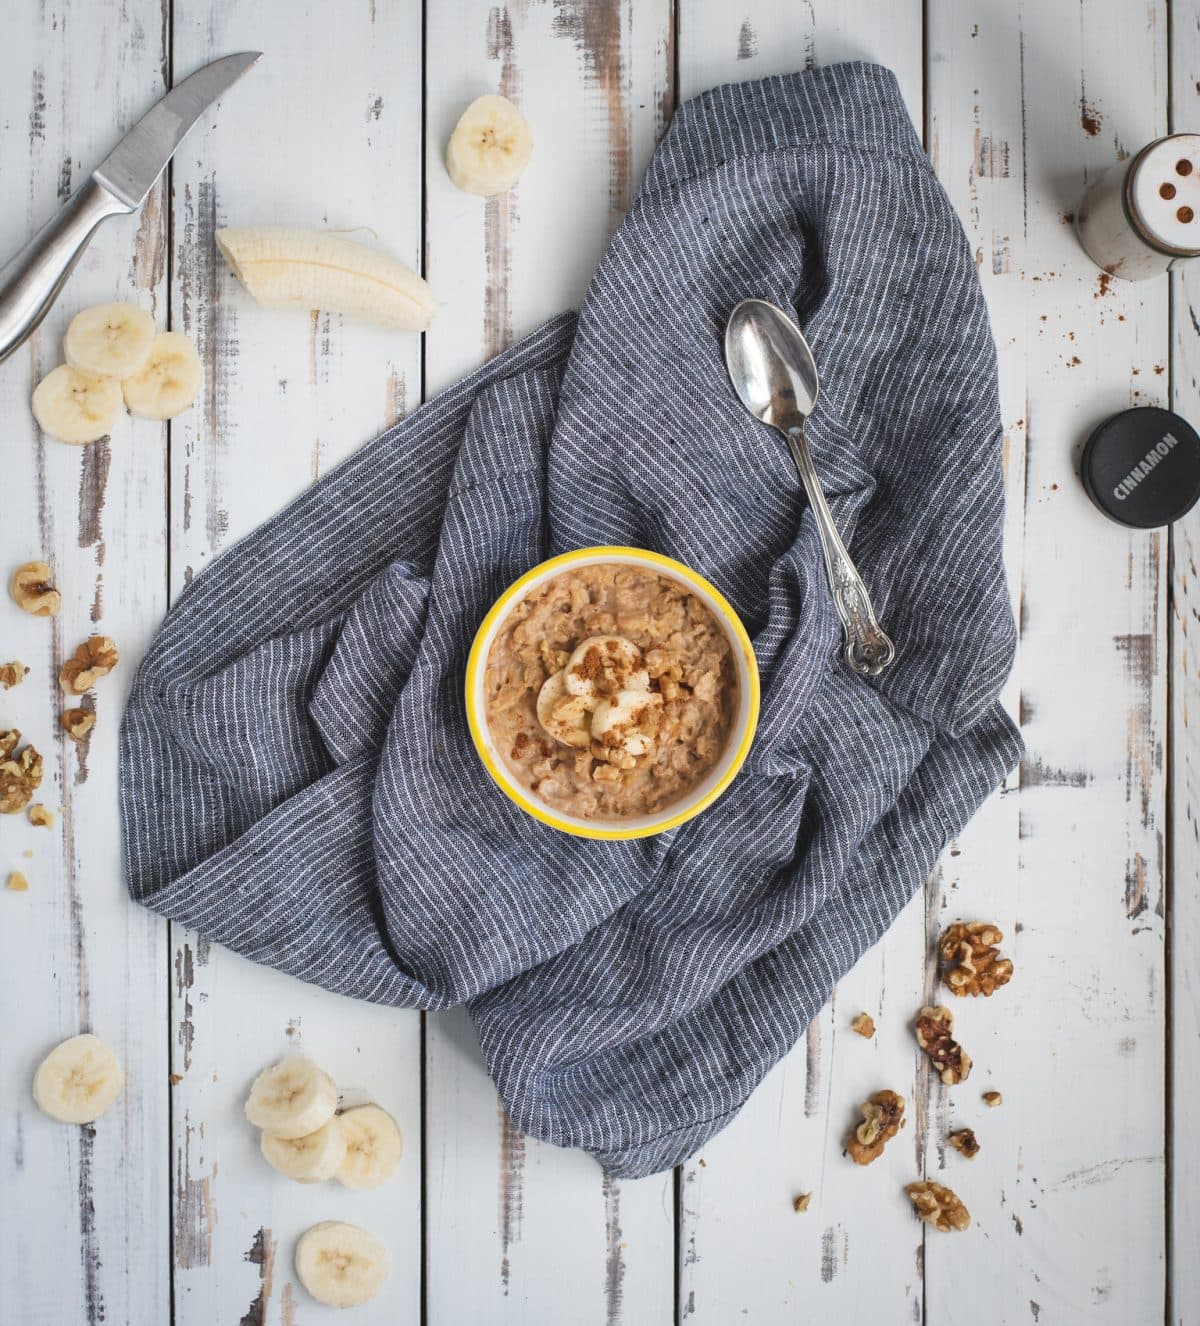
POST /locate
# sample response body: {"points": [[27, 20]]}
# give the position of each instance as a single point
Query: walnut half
{"points": [[95, 658], [933, 1028], [20, 773], [970, 959], [32, 588], [883, 1117], [938, 1206], [864, 1024]]}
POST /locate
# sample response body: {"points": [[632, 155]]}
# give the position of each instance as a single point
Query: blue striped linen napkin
{"points": [[297, 779]]}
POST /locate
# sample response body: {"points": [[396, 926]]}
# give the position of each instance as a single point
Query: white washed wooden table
{"points": [[1085, 1197]]}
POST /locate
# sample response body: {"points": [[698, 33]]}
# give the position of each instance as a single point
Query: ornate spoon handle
{"points": [[868, 648]]}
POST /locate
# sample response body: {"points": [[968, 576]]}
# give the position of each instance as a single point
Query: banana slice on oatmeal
{"points": [[602, 665]]}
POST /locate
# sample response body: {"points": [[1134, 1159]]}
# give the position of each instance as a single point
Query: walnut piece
{"points": [[992, 1098], [95, 658], [32, 588], [20, 774], [933, 1027], [13, 674], [883, 1117], [970, 959], [965, 1142], [938, 1206], [864, 1025], [40, 817], [17, 882], [77, 723], [801, 1201]]}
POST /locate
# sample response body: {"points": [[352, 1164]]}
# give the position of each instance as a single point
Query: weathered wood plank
{"points": [[545, 1238], [855, 1254], [1024, 106], [325, 132], [84, 1211], [1183, 671]]}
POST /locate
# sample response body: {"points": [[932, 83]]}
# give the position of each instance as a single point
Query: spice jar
{"points": [[1142, 216]]}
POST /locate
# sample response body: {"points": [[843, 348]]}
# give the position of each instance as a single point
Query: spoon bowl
{"points": [[770, 364], [775, 376]]}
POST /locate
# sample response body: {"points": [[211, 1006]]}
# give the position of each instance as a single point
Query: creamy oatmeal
{"points": [[610, 691]]}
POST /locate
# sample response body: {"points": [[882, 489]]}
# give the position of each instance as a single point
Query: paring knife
{"points": [[31, 281]]}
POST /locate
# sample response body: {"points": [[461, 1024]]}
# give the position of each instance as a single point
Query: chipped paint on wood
{"points": [[261, 1253], [195, 1214], [511, 1200]]}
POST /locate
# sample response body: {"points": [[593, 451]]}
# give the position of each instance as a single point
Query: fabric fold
{"points": [[297, 777]]}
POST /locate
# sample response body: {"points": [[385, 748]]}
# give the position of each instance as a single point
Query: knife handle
{"points": [[30, 281]]}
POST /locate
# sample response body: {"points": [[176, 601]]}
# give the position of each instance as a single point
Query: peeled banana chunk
{"points": [[288, 267]]}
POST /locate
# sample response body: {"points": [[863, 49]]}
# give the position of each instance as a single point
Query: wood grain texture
{"points": [[547, 1238], [165, 1211], [1025, 106], [855, 1254], [1183, 672], [83, 1210], [325, 132]]}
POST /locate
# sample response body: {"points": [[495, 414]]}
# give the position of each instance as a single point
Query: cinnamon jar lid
{"points": [[1142, 467]]}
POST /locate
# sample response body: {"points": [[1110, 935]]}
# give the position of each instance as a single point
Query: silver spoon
{"points": [[773, 372]]}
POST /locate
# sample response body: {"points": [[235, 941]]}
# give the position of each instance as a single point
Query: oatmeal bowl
{"points": [[612, 693]]}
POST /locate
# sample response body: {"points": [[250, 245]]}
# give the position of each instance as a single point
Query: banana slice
{"points": [[292, 1098], [490, 147], [285, 267], [75, 408], [310, 1159], [168, 382], [341, 1264], [629, 722], [78, 1080], [109, 340], [373, 1147], [604, 664], [565, 717]]}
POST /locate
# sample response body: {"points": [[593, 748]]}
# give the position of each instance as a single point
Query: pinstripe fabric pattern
{"points": [[297, 777]]}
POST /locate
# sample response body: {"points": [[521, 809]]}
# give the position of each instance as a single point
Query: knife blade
{"points": [[130, 169], [30, 281]]}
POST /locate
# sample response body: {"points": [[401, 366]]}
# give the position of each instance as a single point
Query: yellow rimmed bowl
{"points": [[741, 733]]}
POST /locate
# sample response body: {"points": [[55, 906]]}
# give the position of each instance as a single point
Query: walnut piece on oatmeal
{"points": [[883, 1117], [992, 1098], [20, 773], [938, 1206], [77, 723], [13, 674], [40, 817], [32, 589], [965, 1142], [801, 1201], [864, 1024], [95, 658], [970, 961], [933, 1027], [17, 882]]}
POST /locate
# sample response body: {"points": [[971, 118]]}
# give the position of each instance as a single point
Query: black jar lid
{"points": [[1142, 467]]}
